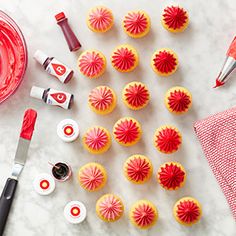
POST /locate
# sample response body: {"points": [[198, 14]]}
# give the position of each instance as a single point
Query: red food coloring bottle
{"points": [[70, 37], [53, 97], [54, 67]]}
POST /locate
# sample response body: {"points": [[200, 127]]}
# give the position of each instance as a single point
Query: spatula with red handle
{"points": [[20, 158]]}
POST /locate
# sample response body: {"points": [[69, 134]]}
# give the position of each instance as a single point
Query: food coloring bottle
{"points": [[53, 97], [70, 37], [54, 67]]}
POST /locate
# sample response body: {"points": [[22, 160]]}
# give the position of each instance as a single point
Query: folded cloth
{"points": [[217, 135]]}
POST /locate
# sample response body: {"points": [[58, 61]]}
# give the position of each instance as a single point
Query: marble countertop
{"points": [[201, 49]]}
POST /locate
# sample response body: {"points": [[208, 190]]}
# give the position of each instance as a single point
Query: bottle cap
{"points": [[75, 212], [68, 130], [40, 57], [36, 92], [60, 16], [44, 184]]}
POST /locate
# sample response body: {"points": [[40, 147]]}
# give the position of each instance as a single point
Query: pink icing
{"points": [[91, 63], [100, 18], [144, 215], [91, 177], [127, 131], [96, 138], [123, 58], [101, 98], [135, 22], [138, 168], [111, 207]]}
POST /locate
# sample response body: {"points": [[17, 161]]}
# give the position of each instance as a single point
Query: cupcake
{"points": [[97, 140], [187, 211], [92, 63], [164, 62], [138, 169], [175, 19], [92, 176], [124, 58], [167, 139], [178, 100], [143, 214], [102, 100], [171, 175], [127, 131], [136, 24], [135, 95], [109, 208], [100, 19]]}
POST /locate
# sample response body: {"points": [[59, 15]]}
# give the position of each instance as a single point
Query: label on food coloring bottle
{"points": [[58, 98], [58, 69]]}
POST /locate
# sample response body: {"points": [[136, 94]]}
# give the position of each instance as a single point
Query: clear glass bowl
{"points": [[13, 56]]}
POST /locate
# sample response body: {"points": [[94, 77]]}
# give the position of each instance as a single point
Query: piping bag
{"points": [[229, 65], [19, 162]]}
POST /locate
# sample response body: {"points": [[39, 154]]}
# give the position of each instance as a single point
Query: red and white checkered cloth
{"points": [[217, 135]]}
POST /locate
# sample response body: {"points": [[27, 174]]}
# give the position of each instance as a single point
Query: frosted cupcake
{"points": [[109, 208], [135, 95], [164, 62], [143, 214], [167, 139], [187, 211], [92, 63], [127, 131], [102, 100], [124, 58], [178, 100], [92, 176], [171, 175], [175, 19], [97, 140], [138, 169], [136, 24], [100, 19]]}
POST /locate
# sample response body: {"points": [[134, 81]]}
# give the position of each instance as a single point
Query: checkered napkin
{"points": [[217, 135]]}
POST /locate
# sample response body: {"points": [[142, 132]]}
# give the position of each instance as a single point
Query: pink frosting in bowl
{"points": [[13, 56]]}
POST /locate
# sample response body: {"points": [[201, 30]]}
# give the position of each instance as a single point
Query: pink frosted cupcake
{"points": [[92, 63], [97, 140], [109, 208], [100, 19], [92, 176]]}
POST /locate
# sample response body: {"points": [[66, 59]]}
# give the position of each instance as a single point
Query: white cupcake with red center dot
{"points": [[135, 95], [97, 140], [102, 100], [100, 19], [109, 208], [92, 63], [136, 24]]}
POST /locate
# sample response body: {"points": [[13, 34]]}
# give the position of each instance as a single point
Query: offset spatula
{"points": [[20, 158]]}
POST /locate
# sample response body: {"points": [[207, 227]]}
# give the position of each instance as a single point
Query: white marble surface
{"points": [[201, 49]]}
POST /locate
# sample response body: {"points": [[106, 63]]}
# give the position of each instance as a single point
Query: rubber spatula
{"points": [[20, 158]]}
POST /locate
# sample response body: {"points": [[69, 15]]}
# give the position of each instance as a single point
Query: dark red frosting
{"points": [[175, 17], [168, 140], [188, 211], [164, 61], [136, 94], [179, 101], [123, 58], [171, 176]]}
